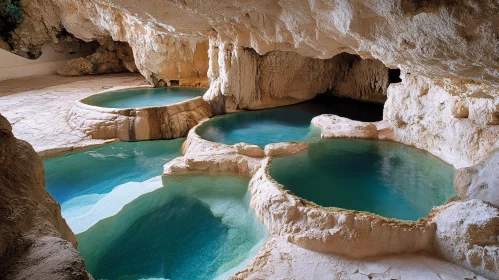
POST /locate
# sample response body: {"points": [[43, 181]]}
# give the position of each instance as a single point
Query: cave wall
{"points": [[430, 38], [13, 66], [35, 241], [241, 79], [462, 130], [109, 57]]}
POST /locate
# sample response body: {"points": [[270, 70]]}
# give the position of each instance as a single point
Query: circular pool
{"points": [[386, 178], [284, 124], [143, 97], [140, 113]]}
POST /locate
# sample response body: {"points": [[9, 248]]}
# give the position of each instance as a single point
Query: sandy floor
{"points": [[37, 107]]}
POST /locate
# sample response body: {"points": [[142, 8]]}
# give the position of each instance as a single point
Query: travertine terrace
{"points": [[434, 65]]}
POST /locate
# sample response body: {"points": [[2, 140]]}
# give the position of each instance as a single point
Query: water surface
{"points": [[386, 178], [144, 97], [195, 227], [289, 123], [79, 180]]}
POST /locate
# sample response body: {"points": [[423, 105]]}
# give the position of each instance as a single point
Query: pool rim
{"points": [[125, 88]]}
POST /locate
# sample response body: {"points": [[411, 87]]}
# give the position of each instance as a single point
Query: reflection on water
{"points": [[385, 178], [144, 97]]}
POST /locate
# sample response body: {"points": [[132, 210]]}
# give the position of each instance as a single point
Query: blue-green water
{"points": [[98, 170], [386, 178], [131, 224], [80, 180], [196, 227], [144, 97], [290, 123]]}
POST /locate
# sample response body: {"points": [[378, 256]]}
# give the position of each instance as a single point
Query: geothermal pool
{"points": [[284, 124], [144, 97], [131, 224], [386, 178]]}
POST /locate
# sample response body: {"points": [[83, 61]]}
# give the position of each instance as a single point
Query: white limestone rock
{"points": [[249, 150], [333, 126], [422, 114], [146, 123], [433, 39], [278, 259], [468, 234], [480, 181], [284, 148]]}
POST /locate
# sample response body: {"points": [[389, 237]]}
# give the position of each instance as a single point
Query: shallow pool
{"points": [[290, 123], [81, 180], [132, 224], [144, 97], [386, 178], [196, 227]]}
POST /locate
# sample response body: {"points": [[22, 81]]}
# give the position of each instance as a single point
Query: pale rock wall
{"points": [[423, 114], [241, 79], [431, 38], [159, 56], [170, 39], [467, 234], [32, 229], [13, 66], [111, 57], [360, 79], [480, 181]]}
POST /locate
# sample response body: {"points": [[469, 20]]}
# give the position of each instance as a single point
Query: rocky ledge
{"points": [[146, 123], [35, 241]]}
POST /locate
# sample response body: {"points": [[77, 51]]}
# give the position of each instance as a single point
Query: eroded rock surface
{"points": [[468, 234], [429, 38], [279, 259], [284, 148], [333, 126], [480, 181], [240, 78], [147, 123], [423, 114], [112, 57], [35, 241]]}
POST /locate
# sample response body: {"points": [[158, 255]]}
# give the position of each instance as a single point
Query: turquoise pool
{"points": [[290, 123], [196, 226], [386, 178], [144, 97], [82, 180]]}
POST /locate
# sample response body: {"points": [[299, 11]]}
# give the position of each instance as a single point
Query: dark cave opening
{"points": [[394, 76], [174, 83], [346, 107]]}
